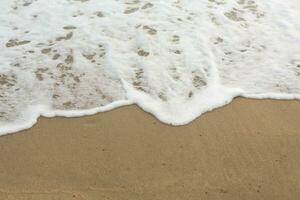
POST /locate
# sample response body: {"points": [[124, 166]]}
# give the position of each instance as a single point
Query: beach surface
{"points": [[247, 150]]}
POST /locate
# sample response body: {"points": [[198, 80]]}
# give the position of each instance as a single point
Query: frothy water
{"points": [[174, 58]]}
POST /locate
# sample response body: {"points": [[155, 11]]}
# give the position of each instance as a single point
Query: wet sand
{"points": [[248, 150]]}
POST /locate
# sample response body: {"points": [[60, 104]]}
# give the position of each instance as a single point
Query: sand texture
{"points": [[248, 150]]}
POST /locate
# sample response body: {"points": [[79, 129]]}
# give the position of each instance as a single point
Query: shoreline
{"points": [[247, 149]]}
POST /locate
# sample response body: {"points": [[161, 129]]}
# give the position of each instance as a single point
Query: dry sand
{"points": [[248, 150]]}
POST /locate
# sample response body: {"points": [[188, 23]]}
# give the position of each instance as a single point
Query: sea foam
{"points": [[174, 58]]}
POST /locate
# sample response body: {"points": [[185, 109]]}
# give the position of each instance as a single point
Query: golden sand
{"points": [[248, 150]]}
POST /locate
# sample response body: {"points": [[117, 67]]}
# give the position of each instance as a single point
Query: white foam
{"points": [[175, 59]]}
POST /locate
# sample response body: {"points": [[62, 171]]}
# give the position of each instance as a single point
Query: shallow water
{"points": [[174, 58]]}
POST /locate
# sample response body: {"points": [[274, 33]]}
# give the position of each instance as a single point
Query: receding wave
{"points": [[174, 58]]}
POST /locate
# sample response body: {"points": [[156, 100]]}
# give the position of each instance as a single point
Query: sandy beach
{"points": [[247, 150], [176, 59]]}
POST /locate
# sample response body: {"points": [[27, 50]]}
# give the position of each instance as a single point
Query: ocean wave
{"points": [[174, 58]]}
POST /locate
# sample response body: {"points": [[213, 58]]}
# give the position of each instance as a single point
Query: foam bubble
{"points": [[175, 59]]}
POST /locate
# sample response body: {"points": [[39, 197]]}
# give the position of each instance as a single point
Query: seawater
{"points": [[174, 58]]}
